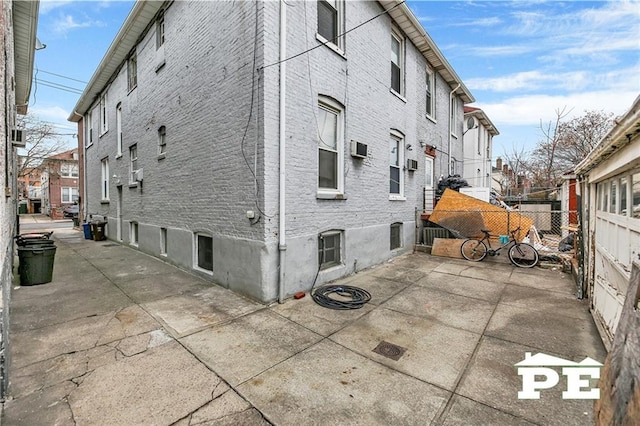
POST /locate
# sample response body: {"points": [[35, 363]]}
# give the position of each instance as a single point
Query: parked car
{"points": [[70, 211]]}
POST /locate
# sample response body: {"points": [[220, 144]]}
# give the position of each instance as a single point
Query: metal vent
{"points": [[432, 233], [389, 350]]}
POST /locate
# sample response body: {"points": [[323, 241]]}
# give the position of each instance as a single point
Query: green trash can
{"points": [[36, 264]]}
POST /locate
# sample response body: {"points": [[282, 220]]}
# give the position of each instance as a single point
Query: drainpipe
{"points": [[84, 168], [451, 126], [282, 246]]}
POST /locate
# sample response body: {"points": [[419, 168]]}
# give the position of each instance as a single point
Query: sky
{"points": [[522, 60]]}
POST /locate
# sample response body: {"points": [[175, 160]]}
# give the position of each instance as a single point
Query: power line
{"points": [[335, 38], [62, 76], [58, 86]]}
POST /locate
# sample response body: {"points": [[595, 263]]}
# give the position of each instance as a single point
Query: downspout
{"points": [[451, 126], [282, 247], [83, 216]]}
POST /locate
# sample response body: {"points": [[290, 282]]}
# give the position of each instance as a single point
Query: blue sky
{"points": [[522, 60]]}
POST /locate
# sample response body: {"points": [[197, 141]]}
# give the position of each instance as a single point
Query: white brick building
{"points": [[18, 22], [184, 152], [478, 145]]}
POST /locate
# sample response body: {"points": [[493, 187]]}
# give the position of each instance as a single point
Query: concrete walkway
{"points": [[121, 338]]}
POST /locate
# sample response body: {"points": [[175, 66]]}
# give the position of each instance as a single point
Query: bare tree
{"points": [[42, 141], [545, 165], [518, 162]]}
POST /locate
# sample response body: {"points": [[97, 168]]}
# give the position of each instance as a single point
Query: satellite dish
{"points": [[471, 122]]}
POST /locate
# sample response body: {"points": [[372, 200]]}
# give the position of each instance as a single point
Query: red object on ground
{"points": [[299, 295]]}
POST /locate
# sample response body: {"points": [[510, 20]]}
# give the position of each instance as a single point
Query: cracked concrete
{"points": [[120, 338]]}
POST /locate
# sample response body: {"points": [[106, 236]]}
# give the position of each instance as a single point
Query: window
{"points": [[133, 163], [330, 22], [162, 141], [133, 233], [89, 124], [69, 195], [396, 158], [330, 146], [395, 236], [623, 196], [635, 195], [204, 252], [329, 249], [428, 172], [454, 116], [397, 58], [105, 179], [119, 129], [163, 241], [103, 114], [431, 94], [132, 71], [69, 170], [612, 197], [160, 30]]}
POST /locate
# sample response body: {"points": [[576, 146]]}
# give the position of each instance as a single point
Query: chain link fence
{"points": [[549, 231]]}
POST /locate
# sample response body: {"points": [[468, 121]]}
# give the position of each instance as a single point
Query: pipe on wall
{"points": [[450, 168], [282, 246]]}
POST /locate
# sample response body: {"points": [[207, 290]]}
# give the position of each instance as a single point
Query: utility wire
{"points": [[62, 76], [335, 38], [58, 86]]}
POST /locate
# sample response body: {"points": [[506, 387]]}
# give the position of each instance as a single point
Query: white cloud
{"points": [[51, 113], [66, 23], [530, 80], [47, 6]]}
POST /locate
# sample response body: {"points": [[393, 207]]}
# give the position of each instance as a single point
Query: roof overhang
{"points": [[482, 117], [407, 21], [141, 15], [25, 24], [626, 129]]}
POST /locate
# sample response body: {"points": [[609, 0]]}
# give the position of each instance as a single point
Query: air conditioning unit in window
{"points": [[18, 138], [139, 175], [412, 165], [358, 149]]}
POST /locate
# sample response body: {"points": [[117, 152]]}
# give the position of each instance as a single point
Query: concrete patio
{"points": [[121, 338]]}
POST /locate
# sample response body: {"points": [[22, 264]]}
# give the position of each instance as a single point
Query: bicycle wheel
{"points": [[523, 255], [473, 250]]}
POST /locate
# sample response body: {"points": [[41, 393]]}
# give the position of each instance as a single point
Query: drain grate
{"points": [[389, 350]]}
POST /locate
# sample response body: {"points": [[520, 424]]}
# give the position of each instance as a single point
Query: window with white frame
{"points": [[396, 159], [133, 233], [89, 125], [69, 170], [105, 179], [454, 115], [163, 241], [69, 195], [635, 195], [329, 249], [395, 236], [203, 252], [160, 30], [397, 62], [162, 140], [132, 70], [104, 123], [330, 146], [133, 163], [330, 17], [119, 129], [431, 94]]}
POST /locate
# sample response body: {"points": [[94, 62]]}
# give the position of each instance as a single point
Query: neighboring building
{"points": [[500, 177], [29, 189], [185, 123], [478, 139], [18, 23], [609, 187], [60, 176]]}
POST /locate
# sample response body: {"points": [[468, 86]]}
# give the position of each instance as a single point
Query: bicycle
{"points": [[522, 255]]}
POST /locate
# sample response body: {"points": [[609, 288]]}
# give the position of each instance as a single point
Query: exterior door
{"points": [[429, 192], [119, 215]]}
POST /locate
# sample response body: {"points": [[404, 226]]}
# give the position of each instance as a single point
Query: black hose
{"points": [[359, 297]]}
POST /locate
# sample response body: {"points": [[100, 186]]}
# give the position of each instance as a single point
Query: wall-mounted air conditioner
{"points": [[358, 149], [139, 175], [18, 138], [412, 165]]}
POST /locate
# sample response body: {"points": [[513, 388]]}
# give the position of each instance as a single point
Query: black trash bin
{"points": [[36, 264], [97, 230]]}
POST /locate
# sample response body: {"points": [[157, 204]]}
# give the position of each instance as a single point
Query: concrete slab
{"points": [[562, 303], [397, 273], [496, 272], [45, 407], [188, 313], [544, 279], [247, 346], [330, 385], [170, 381], [418, 261], [380, 288], [449, 309], [547, 330], [147, 289], [464, 286], [435, 353], [492, 380], [464, 409], [316, 318]]}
